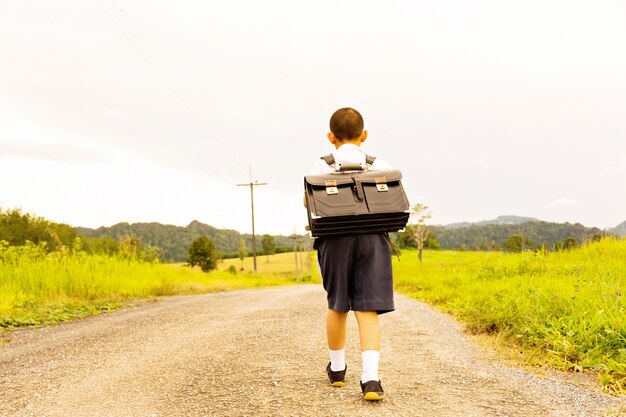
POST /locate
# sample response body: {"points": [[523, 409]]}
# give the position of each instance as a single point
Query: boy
{"points": [[356, 270]]}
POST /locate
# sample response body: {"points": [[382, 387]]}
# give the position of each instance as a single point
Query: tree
{"points": [[418, 231], [269, 247], [243, 251], [62, 234], [17, 229], [431, 242], [518, 243], [130, 247], [202, 252], [570, 243], [151, 254], [103, 245]]}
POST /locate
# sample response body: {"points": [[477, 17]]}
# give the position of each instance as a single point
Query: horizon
{"points": [[132, 110], [303, 233]]}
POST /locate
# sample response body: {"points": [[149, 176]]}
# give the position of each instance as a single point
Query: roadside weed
{"points": [[568, 307]]}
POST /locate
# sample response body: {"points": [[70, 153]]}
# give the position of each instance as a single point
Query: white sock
{"points": [[370, 365], [337, 359]]}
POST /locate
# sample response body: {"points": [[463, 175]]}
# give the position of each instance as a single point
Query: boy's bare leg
{"points": [[369, 330], [336, 334], [369, 333], [336, 329]]}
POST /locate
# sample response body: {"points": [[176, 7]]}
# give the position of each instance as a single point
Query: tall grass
{"points": [[41, 288], [565, 308]]}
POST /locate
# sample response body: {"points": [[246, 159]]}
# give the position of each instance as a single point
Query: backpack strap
{"points": [[392, 247], [330, 159]]}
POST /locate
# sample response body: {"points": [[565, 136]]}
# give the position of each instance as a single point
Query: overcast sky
{"points": [[115, 110]]}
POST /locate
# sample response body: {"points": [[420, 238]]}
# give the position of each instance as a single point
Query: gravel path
{"points": [[262, 353]]}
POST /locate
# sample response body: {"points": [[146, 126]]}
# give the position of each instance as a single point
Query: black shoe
{"points": [[337, 378], [372, 391]]}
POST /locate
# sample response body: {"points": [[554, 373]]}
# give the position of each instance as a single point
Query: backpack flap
{"points": [[383, 191], [334, 194]]}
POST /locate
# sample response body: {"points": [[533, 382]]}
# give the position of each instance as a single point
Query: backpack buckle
{"points": [[381, 184], [331, 187]]}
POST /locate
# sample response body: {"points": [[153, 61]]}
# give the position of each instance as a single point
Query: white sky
{"points": [[114, 110]]}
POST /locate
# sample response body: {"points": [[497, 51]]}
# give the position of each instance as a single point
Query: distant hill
{"points": [[492, 236], [620, 229], [498, 220], [175, 240]]}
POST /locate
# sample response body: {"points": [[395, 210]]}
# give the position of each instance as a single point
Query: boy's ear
{"points": [[331, 138], [363, 136]]}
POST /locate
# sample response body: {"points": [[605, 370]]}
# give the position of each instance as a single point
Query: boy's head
{"points": [[346, 126]]}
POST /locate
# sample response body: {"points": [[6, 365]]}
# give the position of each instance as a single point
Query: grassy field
{"points": [[565, 309], [279, 263], [38, 288], [282, 264]]}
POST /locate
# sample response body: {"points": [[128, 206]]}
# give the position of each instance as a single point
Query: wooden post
{"points": [[251, 185], [295, 252]]}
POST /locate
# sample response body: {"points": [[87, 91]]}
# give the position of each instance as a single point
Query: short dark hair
{"points": [[346, 123]]}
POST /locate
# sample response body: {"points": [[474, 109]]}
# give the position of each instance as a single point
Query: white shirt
{"points": [[348, 154]]}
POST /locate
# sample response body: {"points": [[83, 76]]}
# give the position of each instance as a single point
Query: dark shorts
{"points": [[356, 272]]}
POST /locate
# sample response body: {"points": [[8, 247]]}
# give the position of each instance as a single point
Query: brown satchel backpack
{"points": [[354, 200]]}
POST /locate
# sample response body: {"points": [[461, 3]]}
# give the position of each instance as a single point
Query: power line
{"points": [[155, 53], [168, 84]]}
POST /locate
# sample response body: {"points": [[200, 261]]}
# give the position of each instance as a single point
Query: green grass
{"points": [[565, 309], [38, 288]]}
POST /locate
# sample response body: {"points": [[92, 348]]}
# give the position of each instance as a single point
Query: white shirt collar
{"points": [[347, 146]]}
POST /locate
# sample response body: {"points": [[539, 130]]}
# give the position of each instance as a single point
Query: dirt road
{"points": [[262, 353]]}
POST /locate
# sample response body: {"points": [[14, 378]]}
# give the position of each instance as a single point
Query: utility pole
{"points": [[300, 250], [295, 252], [252, 185]]}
